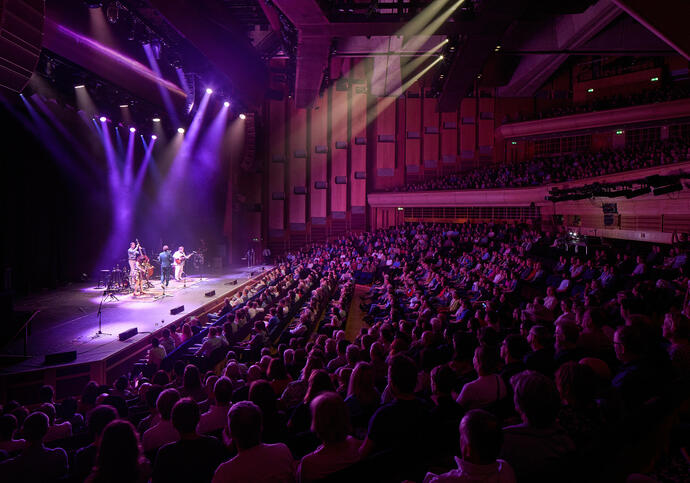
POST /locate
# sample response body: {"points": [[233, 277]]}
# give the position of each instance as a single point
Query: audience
{"points": [[35, 463], [557, 169], [465, 323]]}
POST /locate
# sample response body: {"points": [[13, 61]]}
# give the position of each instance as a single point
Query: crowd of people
{"points": [[558, 169], [616, 101], [483, 353]]}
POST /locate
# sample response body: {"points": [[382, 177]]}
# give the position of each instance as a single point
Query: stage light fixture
{"points": [[180, 130], [209, 90], [154, 137], [156, 119], [440, 57], [226, 104], [243, 117], [102, 119], [124, 105], [132, 129], [80, 86]]}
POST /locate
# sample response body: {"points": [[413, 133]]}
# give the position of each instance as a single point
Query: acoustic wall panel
{"points": [[339, 109], [276, 170], [297, 165], [413, 127], [430, 135], [449, 140], [385, 126], [319, 168], [358, 115]]}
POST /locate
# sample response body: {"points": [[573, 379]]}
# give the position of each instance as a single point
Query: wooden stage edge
{"points": [[104, 359]]}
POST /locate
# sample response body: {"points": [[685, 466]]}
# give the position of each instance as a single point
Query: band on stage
{"points": [[172, 265]]}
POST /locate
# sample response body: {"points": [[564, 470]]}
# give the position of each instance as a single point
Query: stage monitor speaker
{"points": [[60, 358], [177, 310], [128, 333], [211, 293]]}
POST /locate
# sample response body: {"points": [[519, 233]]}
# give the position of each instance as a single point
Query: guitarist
{"points": [[180, 257]]}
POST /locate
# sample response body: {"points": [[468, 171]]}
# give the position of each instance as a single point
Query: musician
{"points": [[140, 274], [132, 253], [180, 257], [166, 261]]}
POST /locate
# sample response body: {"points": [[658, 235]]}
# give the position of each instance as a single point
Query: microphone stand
{"points": [[100, 315]]}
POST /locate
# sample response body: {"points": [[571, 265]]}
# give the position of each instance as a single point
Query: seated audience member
{"points": [[8, 427], [119, 456], [212, 342], [331, 424], [164, 432], [194, 457], [156, 353], [579, 414], [250, 464], [489, 387], [409, 441], [191, 385], [636, 380], [565, 343], [167, 341], [541, 357], [538, 448], [217, 415], [480, 446], [446, 413], [55, 430], [35, 463], [676, 330], [362, 397], [513, 350], [274, 420], [85, 458]]}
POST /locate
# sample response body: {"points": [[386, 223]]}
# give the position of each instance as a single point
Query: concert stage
{"points": [[68, 321]]}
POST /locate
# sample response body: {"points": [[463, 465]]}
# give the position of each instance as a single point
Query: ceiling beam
{"points": [[669, 21]]}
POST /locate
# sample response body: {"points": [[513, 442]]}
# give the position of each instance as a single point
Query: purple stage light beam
{"points": [[163, 91]]}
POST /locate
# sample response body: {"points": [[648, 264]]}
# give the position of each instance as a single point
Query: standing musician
{"points": [[140, 274], [180, 257], [166, 261], [132, 253]]}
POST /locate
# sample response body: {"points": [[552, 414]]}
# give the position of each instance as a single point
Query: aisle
{"points": [[355, 317]]}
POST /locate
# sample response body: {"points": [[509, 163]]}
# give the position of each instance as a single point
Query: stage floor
{"points": [[68, 318]]}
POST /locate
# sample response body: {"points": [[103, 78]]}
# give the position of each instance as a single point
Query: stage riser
{"points": [[70, 379]]}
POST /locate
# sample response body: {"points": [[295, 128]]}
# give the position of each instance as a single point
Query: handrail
{"points": [[25, 328]]}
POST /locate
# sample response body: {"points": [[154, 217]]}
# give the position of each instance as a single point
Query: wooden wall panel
{"points": [[486, 128], [385, 139], [339, 109], [430, 143], [277, 161], [319, 156], [413, 131], [467, 127], [448, 158], [358, 116], [297, 165]]}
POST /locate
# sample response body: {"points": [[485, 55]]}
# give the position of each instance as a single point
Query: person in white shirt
{"points": [[244, 423], [156, 353], [480, 445], [489, 387], [212, 343], [179, 256], [164, 432], [550, 301], [568, 315]]}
